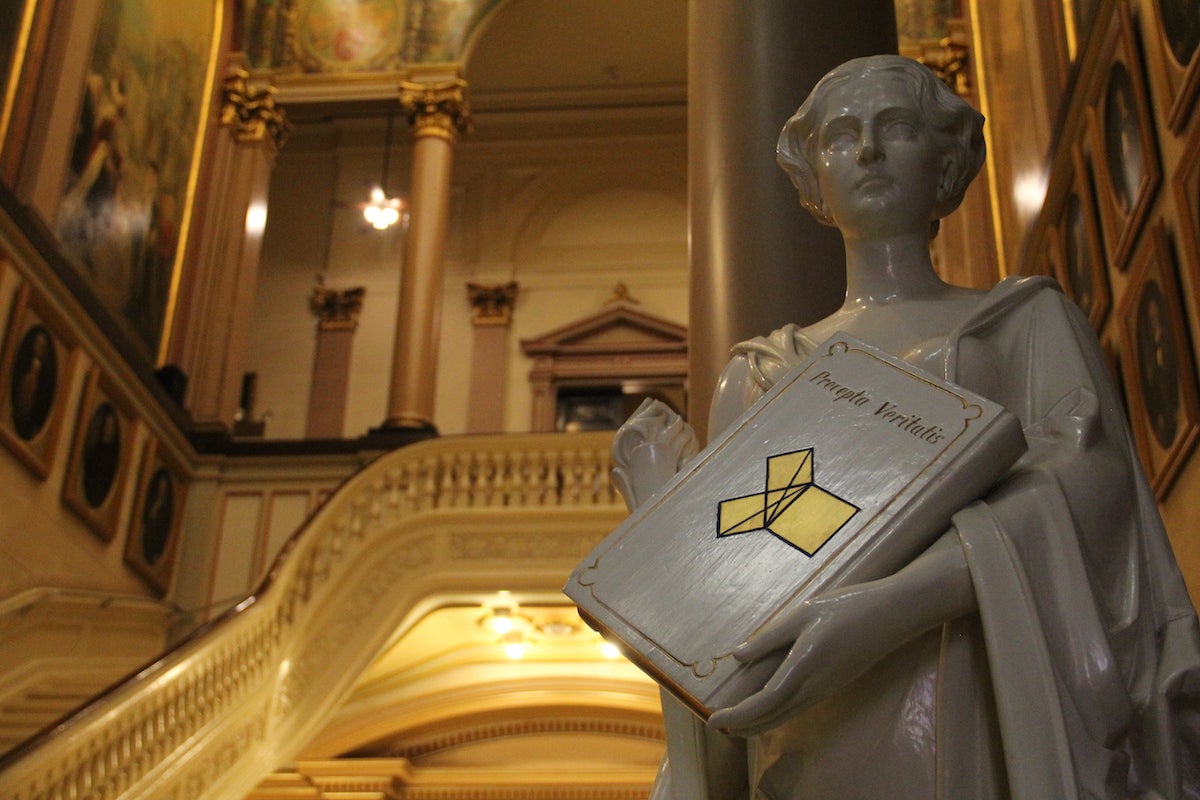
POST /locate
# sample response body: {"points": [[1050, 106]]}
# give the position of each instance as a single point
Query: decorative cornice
{"points": [[252, 111], [492, 305], [337, 309], [416, 749], [436, 109]]}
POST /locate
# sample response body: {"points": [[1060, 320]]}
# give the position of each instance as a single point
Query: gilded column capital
{"points": [[436, 109], [336, 309], [492, 305], [948, 56], [251, 111]]}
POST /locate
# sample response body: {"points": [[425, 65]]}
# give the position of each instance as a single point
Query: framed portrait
{"points": [[1079, 260], [1160, 381], [100, 456], [35, 362], [1176, 29], [123, 215], [1123, 140], [155, 519], [1187, 205]]}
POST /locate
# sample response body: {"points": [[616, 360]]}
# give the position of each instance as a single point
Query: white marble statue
{"points": [[1045, 646]]}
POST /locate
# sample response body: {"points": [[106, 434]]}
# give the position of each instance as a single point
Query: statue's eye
{"points": [[900, 129], [839, 136]]}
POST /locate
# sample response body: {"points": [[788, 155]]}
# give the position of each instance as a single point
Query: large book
{"points": [[843, 472]]}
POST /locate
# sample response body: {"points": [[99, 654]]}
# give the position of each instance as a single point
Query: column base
{"points": [[406, 422]]}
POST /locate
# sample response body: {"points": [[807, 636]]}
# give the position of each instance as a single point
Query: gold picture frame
{"points": [[1186, 185], [1176, 31], [157, 514], [100, 455], [1159, 374], [1078, 252], [1122, 138], [36, 361]]}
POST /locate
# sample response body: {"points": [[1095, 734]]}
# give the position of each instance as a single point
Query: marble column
{"points": [[491, 314], [439, 114], [337, 313], [758, 260], [210, 329]]}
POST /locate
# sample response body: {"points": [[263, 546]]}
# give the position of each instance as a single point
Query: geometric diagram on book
{"points": [[792, 507]]}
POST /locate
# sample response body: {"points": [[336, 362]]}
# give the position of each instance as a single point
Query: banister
{"points": [[239, 697]]}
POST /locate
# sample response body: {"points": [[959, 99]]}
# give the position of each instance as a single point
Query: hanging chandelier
{"points": [[383, 211]]}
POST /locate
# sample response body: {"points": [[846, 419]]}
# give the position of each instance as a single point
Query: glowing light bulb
{"points": [[501, 622], [515, 650], [610, 650]]}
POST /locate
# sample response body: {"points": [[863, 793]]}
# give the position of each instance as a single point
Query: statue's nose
{"points": [[867, 149]]}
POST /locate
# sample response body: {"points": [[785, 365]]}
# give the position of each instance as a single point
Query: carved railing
{"points": [[240, 697]]}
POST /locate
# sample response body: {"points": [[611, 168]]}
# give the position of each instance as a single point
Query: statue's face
{"points": [[878, 162]]}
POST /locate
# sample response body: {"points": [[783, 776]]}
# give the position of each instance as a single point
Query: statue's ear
{"points": [[948, 196], [946, 182]]}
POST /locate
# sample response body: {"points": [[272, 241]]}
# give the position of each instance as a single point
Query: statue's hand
{"points": [[652, 445], [835, 637], [830, 640]]}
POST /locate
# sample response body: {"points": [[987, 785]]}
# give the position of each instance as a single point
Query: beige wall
{"points": [[567, 216]]}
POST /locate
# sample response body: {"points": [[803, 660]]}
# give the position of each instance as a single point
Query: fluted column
{"points": [[209, 337], [438, 113], [758, 260]]}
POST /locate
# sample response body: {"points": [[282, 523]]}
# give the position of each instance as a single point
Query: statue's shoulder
{"points": [[769, 357], [1015, 298]]}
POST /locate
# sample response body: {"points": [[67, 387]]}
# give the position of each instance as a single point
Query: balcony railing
{"points": [[242, 695]]}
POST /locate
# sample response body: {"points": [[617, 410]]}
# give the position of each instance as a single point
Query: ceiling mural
{"points": [[358, 36]]}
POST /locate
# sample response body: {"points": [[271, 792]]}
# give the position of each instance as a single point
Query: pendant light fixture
{"points": [[383, 211]]}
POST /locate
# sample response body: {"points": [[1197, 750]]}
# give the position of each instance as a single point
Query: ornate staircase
{"points": [[240, 697]]}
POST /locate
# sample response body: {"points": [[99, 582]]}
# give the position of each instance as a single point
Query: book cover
{"points": [[843, 472]]}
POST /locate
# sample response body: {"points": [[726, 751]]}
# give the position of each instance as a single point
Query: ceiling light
{"points": [[382, 212]]}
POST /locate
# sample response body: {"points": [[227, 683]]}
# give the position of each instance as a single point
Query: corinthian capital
{"points": [[337, 309], [491, 305], [436, 109], [251, 111]]}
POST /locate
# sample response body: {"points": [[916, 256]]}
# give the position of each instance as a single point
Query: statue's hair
{"points": [[949, 115]]}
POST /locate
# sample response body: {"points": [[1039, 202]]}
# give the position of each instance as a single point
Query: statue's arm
{"points": [[700, 763], [652, 445], [838, 635]]}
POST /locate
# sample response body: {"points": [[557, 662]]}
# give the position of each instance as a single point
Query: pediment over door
{"points": [[587, 374]]}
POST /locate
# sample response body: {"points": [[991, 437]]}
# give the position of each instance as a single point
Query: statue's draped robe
{"points": [[1080, 674]]}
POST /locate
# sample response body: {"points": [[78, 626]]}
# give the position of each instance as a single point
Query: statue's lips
{"points": [[874, 181]]}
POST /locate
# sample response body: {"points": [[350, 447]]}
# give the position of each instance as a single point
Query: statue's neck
{"points": [[887, 269]]}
